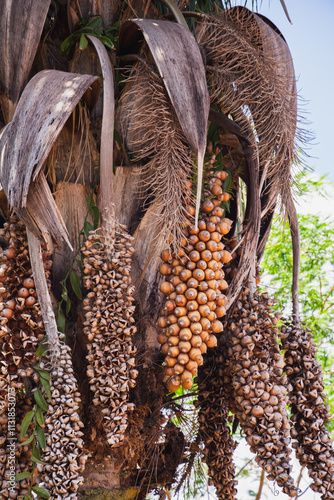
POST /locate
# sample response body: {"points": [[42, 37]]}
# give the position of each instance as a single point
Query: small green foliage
{"points": [[72, 275], [22, 475], [41, 492], [94, 26], [37, 436]]}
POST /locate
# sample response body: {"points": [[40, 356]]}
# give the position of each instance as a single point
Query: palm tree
{"points": [[205, 138]]}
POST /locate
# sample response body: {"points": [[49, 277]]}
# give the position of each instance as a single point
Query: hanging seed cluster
{"points": [[213, 427], [21, 327], [193, 288], [109, 326], [309, 411], [63, 454], [21, 331], [255, 368]]}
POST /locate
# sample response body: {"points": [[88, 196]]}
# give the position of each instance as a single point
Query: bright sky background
{"points": [[311, 42]]}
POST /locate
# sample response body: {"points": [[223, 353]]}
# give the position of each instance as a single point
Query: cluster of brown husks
{"points": [[193, 287], [63, 457], [213, 426], [313, 445], [21, 327], [109, 328], [21, 331], [258, 395]]}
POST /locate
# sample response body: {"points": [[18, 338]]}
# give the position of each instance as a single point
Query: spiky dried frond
{"points": [[252, 78], [152, 132]]}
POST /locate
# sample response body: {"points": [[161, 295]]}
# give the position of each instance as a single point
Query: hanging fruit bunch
{"points": [[194, 289], [109, 329], [63, 456], [21, 332], [313, 444], [255, 367], [214, 430]]}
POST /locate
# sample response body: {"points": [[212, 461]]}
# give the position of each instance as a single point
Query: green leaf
{"points": [[106, 41], [94, 23], [22, 475], [39, 398], [41, 437], [83, 42], [39, 351], [26, 422], [27, 441], [35, 453], [41, 492], [75, 282], [61, 321], [47, 388], [96, 216], [66, 45], [87, 227], [39, 415], [68, 305], [90, 201], [44, 374]]}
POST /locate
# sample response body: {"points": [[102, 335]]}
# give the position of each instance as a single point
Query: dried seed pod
{"points": [[213, 428], [313, 444], [112, 325], [258, 415], [66, 454]]}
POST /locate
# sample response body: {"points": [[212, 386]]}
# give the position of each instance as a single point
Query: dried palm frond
{"points": [[251, 74], [21, 26], [152, 132], [180, 64]]}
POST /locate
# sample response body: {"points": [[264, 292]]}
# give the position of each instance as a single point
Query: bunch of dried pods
{"points": [[109, 327], [213, 427], [254, 368], [309, 411]]}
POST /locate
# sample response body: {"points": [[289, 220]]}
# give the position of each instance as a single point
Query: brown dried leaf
{"points": [[180, 64], [21, 26], [45, 105]]}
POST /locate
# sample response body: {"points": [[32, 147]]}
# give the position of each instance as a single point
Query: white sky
{"points": [[311, 42]]}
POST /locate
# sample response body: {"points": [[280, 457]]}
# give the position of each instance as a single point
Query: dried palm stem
{"points": [[151, 130]]}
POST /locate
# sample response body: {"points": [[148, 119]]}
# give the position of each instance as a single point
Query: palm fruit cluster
{"points": [[254, 368], [194, 285], [309, 411], [109, 328], [213, 426], [63, 457], [21, 327], [21, 331]]}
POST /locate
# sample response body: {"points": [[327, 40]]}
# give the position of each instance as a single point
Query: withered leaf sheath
{"points": [[313, 445], [213, 427], [194, 289], [109, 326], [255, 369], [152, 132]]}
